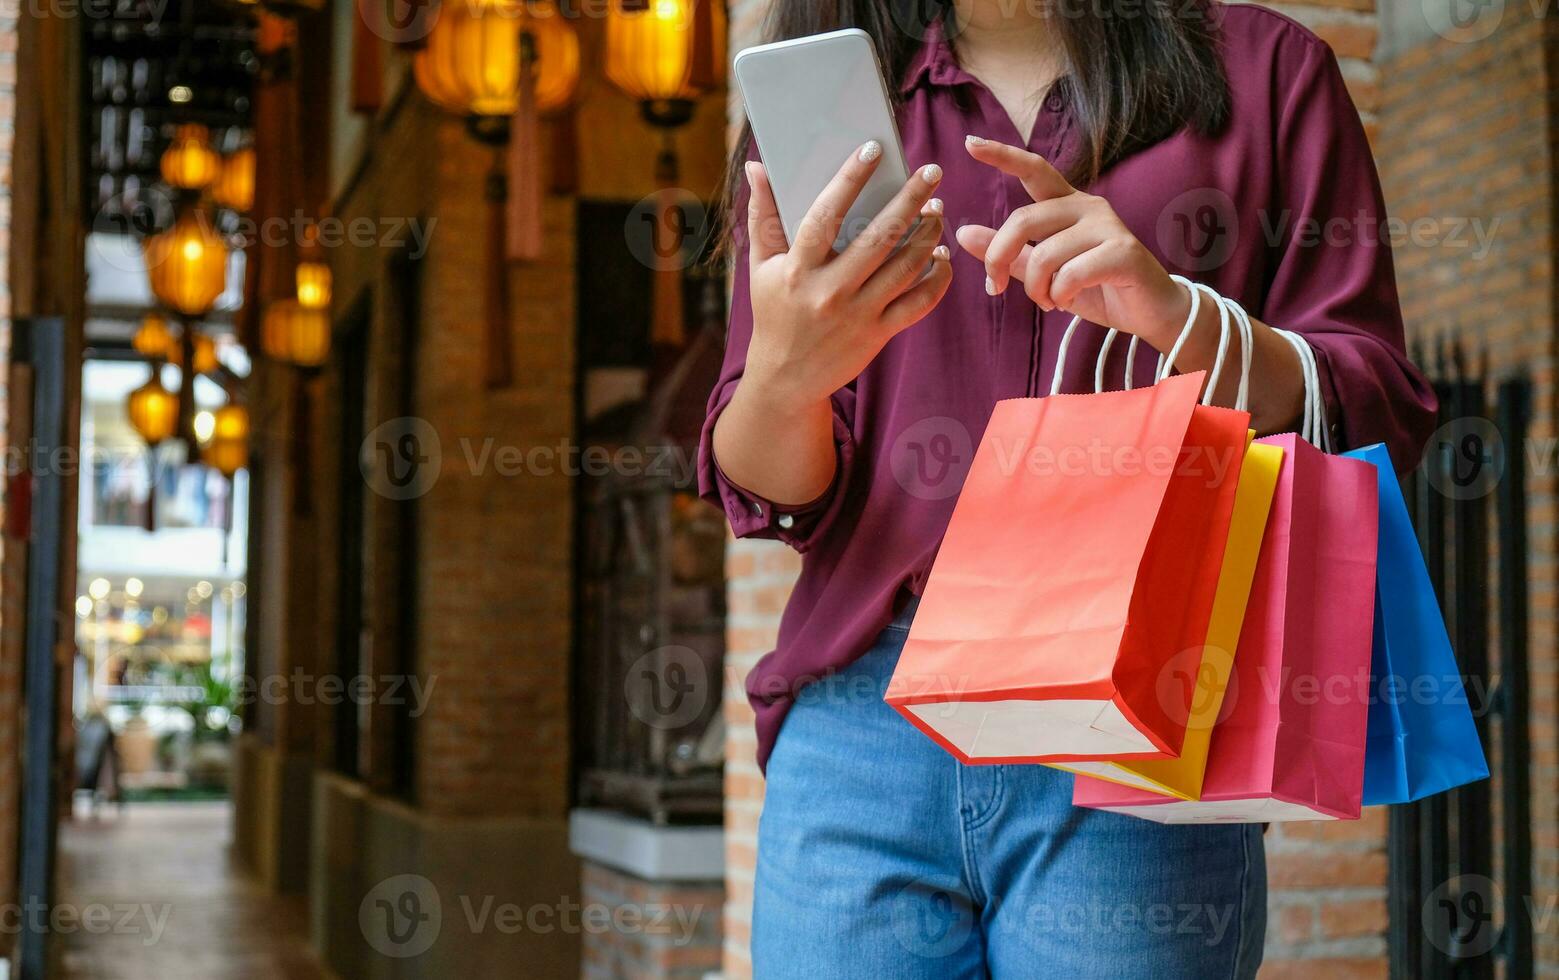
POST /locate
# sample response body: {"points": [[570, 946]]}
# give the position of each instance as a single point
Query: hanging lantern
{"points": [[293, 332], [153, 410], [187, 264], [556, 54], [205, 355], [227, 451], [153, 339], [234, 184], [665, 54], [313, 285], [189, 163], [471, 63]]}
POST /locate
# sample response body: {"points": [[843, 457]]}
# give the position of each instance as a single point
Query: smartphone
{"points": [[812, 102]]}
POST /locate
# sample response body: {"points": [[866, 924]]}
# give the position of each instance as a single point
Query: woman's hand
{"points": [[819, 317], [1072, 252]]}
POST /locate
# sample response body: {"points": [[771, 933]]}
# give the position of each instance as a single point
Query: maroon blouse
{"points": [[1281, 211]]}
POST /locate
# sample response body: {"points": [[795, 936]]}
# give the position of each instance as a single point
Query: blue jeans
{"points": [[880, 855]]}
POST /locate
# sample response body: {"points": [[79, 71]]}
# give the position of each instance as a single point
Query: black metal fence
{"points": [[1460, 862]]}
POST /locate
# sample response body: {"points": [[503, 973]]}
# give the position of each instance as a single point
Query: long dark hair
{"points": [[1135, 71]]}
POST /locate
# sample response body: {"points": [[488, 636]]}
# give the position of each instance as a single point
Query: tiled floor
{"points": [[154, 897]]}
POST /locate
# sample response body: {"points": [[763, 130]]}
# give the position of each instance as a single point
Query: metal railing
{"points": [[1460, 862]]}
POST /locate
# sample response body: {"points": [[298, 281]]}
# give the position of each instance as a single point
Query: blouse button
{"points": [[1053, 102], [787, 521], [757, 509]]}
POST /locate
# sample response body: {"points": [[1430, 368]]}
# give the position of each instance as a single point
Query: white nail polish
{"points": [[931, 173], [871, 151], [973, 140], [990, 286], [934, 206], [941, 252]]}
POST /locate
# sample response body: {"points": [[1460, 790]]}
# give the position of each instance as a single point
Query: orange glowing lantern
{"points": [[665, 54], [153, 410], [472, 60], [189, 163], [314, 285], [234, 184], [296, 333], [153, 339], [205, 355], [187, 264], [227, 451]]}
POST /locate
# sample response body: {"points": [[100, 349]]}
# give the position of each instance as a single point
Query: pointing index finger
{"points": [[1040, 179]]}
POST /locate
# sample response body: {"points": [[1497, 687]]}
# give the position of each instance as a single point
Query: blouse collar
{"points": [[934, 63]]}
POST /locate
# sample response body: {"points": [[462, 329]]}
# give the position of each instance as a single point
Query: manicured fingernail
{"points": [[931, 173], [990, 286], [752, 182], [941, 252], [870, 151], [973, 140], [934, 206]]}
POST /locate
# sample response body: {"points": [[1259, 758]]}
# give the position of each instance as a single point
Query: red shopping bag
{"points": [[1074, 584], [1290, 744]]}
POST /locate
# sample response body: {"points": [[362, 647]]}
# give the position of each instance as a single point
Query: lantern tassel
{"points": [[563, 175], [523, 242], [496, 368], [667, 328], [186, 428], [367, 65], [151, 490]]}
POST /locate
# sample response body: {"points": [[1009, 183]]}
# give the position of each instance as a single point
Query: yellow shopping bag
{"points": [[1182, 777]]}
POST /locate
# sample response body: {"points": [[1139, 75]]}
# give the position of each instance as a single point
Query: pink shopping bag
{"points": [[1290, 743]]}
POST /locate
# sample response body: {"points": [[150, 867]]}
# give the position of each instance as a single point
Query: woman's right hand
{"points": [[820, 317]]}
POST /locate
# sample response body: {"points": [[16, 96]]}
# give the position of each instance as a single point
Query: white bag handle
{"points": [[1313, 428], [1216, 374], [1228, 310], [1109, 338]]}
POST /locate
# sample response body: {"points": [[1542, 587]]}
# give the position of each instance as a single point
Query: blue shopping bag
{"points": [[1422, 739]]}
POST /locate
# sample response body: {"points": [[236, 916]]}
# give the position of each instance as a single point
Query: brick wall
{"points": [[661, 931], [1467, 135], [1328, 883]]}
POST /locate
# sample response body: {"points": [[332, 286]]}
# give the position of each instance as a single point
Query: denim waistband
{"points": [[905, 616]]}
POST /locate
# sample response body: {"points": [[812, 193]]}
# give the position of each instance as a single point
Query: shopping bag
{"points": [[1422, 738], [1290, 744], [1071, 577], [1182, 776]]}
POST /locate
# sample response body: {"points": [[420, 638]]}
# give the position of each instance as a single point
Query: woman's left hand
{"points": [[1072, 252]]}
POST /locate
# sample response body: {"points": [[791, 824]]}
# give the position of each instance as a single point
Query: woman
{"points": [[1080, 156]]}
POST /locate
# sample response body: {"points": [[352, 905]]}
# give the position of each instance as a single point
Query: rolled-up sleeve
{"points": [[1333, 278], [752, 515]]}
